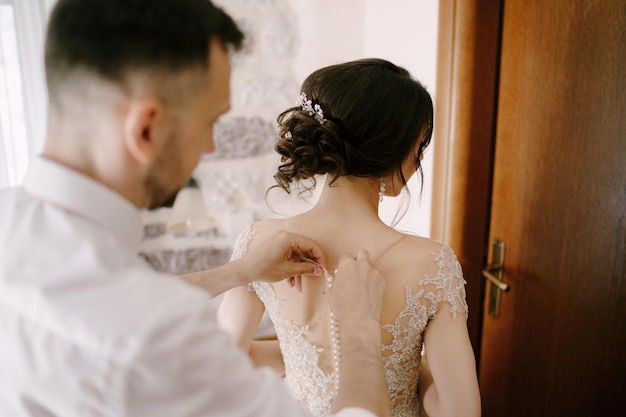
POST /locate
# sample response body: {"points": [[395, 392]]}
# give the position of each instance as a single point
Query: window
{"points": [[12, 124], [22, 88]]}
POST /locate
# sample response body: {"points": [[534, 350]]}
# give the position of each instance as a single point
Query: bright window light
{"points": [[14, 152]]}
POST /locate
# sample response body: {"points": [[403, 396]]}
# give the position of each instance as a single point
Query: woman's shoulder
{"points": [[264, 229], [426, 259], [256, 232], [433, 270], [419, 248]]}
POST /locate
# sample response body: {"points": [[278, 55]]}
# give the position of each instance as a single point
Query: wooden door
{"points": [[558, 347]]}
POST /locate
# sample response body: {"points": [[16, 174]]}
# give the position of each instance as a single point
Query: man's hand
{"points": [[284, 255], [356, 298]]}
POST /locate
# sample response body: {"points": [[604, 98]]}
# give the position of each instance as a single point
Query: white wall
{"points": [[402, 31]]}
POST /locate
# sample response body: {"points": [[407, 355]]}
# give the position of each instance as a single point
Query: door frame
{"points": [[468, 59]]}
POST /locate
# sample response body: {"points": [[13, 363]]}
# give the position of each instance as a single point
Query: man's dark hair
{"points": [[114, 38]]}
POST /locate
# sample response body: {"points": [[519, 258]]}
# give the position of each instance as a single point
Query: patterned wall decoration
{"points": [[263, 83], [235, 177]]}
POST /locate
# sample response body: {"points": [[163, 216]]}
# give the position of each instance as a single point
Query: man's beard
{"points": [[169, 202], [166, 165]]}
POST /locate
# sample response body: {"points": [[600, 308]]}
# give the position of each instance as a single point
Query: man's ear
{"points": [[140, 129]]}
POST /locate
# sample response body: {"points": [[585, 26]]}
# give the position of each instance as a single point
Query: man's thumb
{"points": [[305, 268]]}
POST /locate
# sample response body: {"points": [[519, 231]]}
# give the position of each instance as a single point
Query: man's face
{"points": [[192, 134]]}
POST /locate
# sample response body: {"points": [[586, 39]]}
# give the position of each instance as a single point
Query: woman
{"points": [[366, 125]]}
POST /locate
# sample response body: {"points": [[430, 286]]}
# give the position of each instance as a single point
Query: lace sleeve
{"points": [[241, 244], [241, 248], [446, 286]]}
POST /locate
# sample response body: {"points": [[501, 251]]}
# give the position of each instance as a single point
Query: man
{"points": [[86, 327]]}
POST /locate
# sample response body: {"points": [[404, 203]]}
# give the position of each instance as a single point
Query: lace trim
{"points": [[242, 243], [308, 383], [449, 282], [402, 357]]}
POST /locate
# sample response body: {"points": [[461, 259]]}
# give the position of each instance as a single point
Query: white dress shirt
{"points": [[87, 328]]}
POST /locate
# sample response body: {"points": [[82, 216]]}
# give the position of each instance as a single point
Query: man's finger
{"points": [[304, 268], [298, 283], [305, 245]]}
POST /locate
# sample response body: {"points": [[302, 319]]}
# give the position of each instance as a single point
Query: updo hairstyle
{"points": [[375, 113]]}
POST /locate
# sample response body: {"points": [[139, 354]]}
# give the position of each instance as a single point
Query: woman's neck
{"points": [[350, 197], [345, 219]]}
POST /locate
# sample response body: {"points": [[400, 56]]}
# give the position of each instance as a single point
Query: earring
{"points": [[381, 191]]}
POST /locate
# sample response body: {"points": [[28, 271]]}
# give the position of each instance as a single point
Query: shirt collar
{"points": [[75, 192]]}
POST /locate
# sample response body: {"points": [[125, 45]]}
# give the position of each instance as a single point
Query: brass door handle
{"points": [[494, 274], [488, 273]]}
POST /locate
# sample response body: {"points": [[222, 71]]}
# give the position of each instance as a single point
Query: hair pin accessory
{"points": [[314, 110]]}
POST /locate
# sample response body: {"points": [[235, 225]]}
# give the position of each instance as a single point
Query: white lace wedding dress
{"points": [[314, 388]]}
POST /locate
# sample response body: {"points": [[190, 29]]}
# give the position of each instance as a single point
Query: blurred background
{"points": [[286, 40]]}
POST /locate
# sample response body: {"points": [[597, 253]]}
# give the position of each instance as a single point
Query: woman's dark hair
{"points": [[111, 38], [375, 114]]}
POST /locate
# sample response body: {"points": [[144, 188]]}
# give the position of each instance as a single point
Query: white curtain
{"points": [[22, 87]]}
